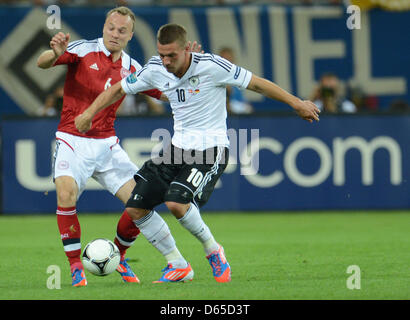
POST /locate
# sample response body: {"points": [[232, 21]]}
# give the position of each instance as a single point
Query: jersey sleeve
{"points": [[154, 93], [227, 73], [138, 81], [70, 56]]}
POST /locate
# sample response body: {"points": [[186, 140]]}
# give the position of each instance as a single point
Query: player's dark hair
{"points": [[125, 12], [170, 33]]}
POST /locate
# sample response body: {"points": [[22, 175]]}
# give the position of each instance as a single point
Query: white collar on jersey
{"points": [[126, 59], [103, 47]]}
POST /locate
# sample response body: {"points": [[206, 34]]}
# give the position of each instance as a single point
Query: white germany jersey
{"points": [[198, 99]]}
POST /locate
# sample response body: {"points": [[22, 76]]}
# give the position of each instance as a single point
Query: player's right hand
{"points": [[59, 43], [83, 122], [195, 47]]}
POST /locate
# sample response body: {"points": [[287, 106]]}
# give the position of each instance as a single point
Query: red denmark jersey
{"points": [[90, 72]]}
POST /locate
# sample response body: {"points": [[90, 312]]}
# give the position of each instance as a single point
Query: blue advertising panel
{"points": [[276, 163], [292, 46]]}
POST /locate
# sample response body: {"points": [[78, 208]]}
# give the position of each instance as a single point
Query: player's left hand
{"points": [[307, 110], [195, 47], [83, 122]]}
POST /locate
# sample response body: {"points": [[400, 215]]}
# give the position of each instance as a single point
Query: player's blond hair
{"points": [[125, 12], [170, 33]]}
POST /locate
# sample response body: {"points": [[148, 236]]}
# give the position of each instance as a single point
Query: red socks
{"points": [[127, 232], [70, 232]]}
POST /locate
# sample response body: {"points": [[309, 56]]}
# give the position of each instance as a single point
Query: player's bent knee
{"points": [[177, 209], [67, 191], [172, 206], [137, 213], [66, 197]]}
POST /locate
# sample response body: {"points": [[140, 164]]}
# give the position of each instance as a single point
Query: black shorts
{"points": [[177, 175]]}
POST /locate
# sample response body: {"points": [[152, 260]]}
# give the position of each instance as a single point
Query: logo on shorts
{"points": [[138, 197], [63, 165]]}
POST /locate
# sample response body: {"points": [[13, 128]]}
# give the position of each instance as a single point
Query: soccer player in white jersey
{"points": [[195, 86]]}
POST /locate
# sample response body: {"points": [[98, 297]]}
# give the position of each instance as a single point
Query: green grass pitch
{"points": [[280, 255]]}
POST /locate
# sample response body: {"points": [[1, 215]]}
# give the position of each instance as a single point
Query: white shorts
{"points": [[102, 159]]}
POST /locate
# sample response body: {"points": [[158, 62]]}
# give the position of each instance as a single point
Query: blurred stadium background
{"points": [[352, 159]]}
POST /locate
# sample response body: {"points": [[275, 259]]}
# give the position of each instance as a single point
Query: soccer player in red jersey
{"points": [[92, 67]]}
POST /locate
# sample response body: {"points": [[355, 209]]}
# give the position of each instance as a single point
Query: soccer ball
{"points": [[101, 257]]}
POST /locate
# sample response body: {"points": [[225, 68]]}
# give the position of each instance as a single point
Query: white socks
{"points": [[193, 222], [157, 232]]}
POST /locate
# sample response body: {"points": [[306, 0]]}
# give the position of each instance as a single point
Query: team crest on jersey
{"points": [[194, 81], [132, 78], [124, 73]]}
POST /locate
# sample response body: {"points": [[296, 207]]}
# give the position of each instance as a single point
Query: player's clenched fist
{"points": [[83, 122], [59, 43]]}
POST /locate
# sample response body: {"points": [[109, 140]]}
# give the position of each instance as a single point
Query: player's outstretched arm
{"points": [[307, 110], [83, 122], [58, 46]]}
